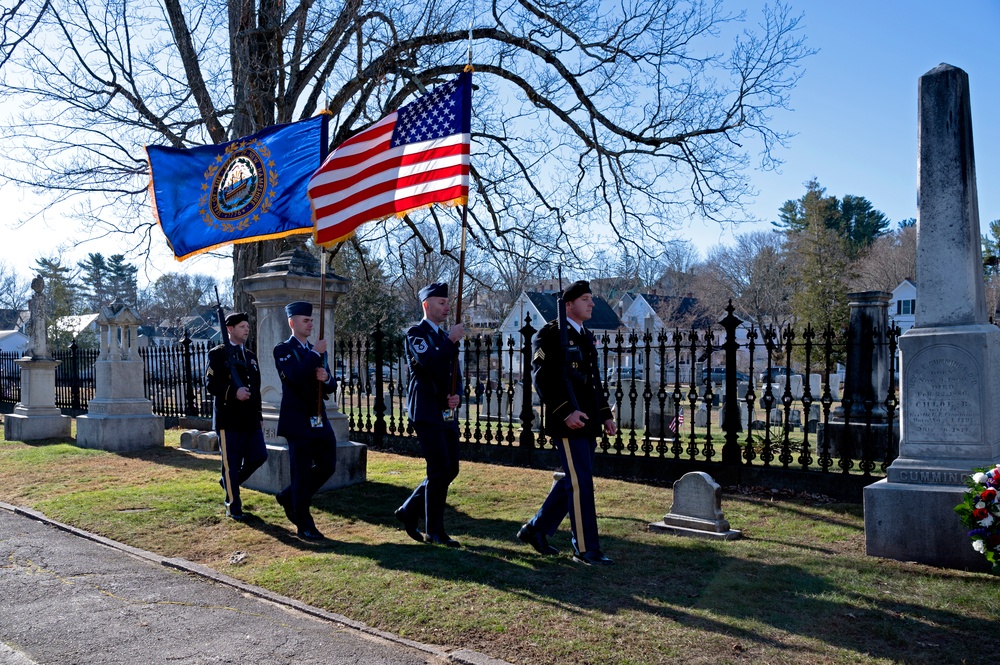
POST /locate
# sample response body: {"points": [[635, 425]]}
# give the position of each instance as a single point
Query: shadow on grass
{"points": [[700, 585]]}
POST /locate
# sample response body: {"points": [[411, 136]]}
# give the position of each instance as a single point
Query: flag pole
{"points": [[322, 321], [324, 138], [461, 252]]}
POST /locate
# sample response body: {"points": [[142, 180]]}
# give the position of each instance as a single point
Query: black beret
{"points": [[299, 308], [575, 290], [236, 318], [435, 290]]}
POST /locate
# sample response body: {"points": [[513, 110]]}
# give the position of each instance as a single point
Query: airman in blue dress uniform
{"points": [[234, 380], [431, 405], [562, 376], [302, 420]]}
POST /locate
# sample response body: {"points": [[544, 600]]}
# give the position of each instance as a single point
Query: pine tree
{"points": [[62, 295]]}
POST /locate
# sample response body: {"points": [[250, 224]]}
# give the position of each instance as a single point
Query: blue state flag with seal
{"points": [[250, 189]]}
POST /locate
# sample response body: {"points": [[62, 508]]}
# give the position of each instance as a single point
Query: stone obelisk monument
{"points": [[950, 359]]}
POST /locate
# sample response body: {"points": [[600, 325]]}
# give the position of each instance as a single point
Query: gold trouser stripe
{"points": [[580, 539], [225, 466]]}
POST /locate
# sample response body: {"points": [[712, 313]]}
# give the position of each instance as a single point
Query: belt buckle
{"points": [[316, 421], [448, 414]]}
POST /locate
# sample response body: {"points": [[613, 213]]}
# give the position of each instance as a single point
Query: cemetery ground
{"points": [[797, 589]]}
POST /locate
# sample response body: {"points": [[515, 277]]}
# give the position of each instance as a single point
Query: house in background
{"points": [[78, 324], [14, 319], [13, 341], [903, 305], [542, 306]]}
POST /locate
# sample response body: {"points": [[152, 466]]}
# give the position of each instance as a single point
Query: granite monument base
{"points": [[275, 475], [911, 522], [119, 433], [36, 424]]}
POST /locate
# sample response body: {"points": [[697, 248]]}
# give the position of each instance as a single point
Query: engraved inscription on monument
{"points": [[941, 403]]}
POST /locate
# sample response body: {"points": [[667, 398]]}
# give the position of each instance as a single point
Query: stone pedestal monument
{"points": [[36, 416], [861, 424], [295, 275], [950, 359], [119, 417]]}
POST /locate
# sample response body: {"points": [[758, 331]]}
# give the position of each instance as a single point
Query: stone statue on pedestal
{"points": [[38, 348]]}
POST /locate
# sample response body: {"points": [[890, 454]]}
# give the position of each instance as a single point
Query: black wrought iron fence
{"points": [[173, 379], [734, 395], [75, 383]]}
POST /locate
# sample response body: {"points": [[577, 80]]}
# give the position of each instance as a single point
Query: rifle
{"points": [[230, 356], [564, 343]]}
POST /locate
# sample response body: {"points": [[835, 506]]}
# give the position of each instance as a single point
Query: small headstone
{"points": [[208, 442], [701, 416], [189, 439], [697, 510], [795, 418]]}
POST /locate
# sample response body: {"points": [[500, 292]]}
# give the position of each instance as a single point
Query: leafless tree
{"points": [[890, 259], [593, 118], [754, 274], [14, 289]]}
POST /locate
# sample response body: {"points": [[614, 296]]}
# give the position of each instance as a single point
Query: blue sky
{"points": [[854, 111], [854, 114]]}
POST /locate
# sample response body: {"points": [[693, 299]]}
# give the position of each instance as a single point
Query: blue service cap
{"points": [[435, 290], [299, 308]]}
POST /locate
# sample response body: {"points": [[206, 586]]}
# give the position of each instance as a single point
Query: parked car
{"points": [[772, 376], [718, 376], [626, 374]]}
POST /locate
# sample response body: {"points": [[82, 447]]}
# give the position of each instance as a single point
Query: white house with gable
{"points": [[903, 305]]}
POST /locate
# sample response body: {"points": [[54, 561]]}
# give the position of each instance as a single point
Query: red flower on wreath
{"points": [[993, 540], [980, 514], [988, 495]]}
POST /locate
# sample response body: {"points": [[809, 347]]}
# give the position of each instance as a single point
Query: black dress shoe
{"points": [[237, 514], [594, 558], [529, 535], [311, 534], [410, 525], [286, 503], [445, 540]]}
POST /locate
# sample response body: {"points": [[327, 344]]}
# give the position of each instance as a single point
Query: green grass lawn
{"points": [[797, 589]]}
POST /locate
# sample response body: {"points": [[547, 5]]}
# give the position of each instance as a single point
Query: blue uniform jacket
{"points": [[297, 369], [431, 357]]}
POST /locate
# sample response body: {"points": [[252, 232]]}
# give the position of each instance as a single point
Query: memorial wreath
{"points": [[980, 512]]}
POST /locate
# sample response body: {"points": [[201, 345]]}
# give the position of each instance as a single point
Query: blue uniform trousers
{"points": [[572, 494], [439, 443], [311, 462], [242, 454]]}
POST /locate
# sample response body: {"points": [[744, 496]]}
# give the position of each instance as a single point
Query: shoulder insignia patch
{"points": [[210, 372], [539, 355], [420, 345]]}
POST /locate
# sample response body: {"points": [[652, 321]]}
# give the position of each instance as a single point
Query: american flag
{"points": [[410, 159], [676, 422]]}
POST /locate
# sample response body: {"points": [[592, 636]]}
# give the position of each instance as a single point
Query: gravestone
{"points": [[697, 510], [119, 417], [36, 416], [950, 359], [295, 275]]}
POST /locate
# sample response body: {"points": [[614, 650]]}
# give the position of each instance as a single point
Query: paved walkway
{"points": [[68, 597]]}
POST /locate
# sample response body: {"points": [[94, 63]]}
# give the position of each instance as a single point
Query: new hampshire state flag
{"points": [[246, 190]]}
